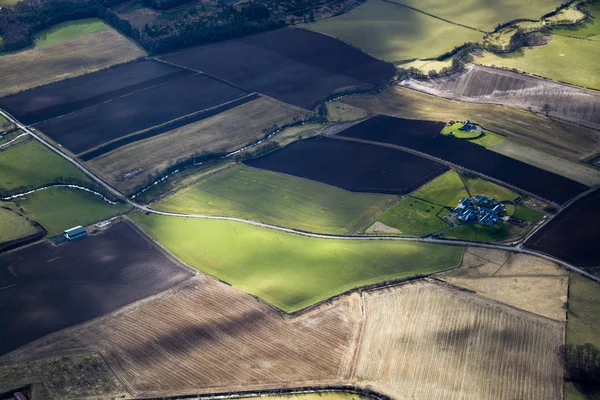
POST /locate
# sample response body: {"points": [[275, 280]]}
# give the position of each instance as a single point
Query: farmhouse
{"points": [[468, 127], [479, 210], [75, 233]]}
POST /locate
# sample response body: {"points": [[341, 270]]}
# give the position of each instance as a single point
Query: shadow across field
{"points": [[45, 288]]}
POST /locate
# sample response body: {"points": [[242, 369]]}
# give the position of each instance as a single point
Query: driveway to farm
{"points": [[143, 208]]}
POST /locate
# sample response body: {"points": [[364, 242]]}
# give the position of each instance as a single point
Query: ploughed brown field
{"points": [[46, 288], [420, 340], [292, 65], [480, 84], [557, 137], [30, 68], [129, 166]]}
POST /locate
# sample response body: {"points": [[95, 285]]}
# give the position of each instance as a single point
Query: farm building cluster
{"points": [[480, 209]]}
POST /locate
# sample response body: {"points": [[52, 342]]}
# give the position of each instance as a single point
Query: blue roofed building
{"points": [[74, 233]]}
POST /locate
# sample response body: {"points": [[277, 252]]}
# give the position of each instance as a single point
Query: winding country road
{"points": [[140, 207]]}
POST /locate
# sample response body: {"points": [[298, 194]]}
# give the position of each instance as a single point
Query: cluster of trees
{"points": [[18, 24], [582, 363]]}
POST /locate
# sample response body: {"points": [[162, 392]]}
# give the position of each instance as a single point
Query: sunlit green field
{"points": [[479, 186], [590, 29], [413, 217], [68, 30], [563, 59], [445, 190], [484, 14], [395, 33], [278, 199], [32, 165], [57, 209], [291, 271]]}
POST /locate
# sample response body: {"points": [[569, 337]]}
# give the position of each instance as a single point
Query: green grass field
{"points": [[478, 186], [286, 270], [563, 59], [484, 14], [590, 29], [68, 30], [527, 214], [32, 164], [278, 199], [5, 3], [395, 33], [445, 190], [13, 226], [413, 217], [485, 138], [480, 233], [583, 324], [57, 209]]}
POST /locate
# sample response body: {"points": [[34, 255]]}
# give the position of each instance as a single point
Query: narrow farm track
{"points": [[450, 242]]}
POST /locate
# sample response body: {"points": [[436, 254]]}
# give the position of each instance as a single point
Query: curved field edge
{"points": [[278, 199], [291, 271]]}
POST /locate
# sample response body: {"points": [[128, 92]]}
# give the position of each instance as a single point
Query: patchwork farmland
{"points": [[356, 167], [425, 137], [81, 280], [495, 86], [287, 65]]}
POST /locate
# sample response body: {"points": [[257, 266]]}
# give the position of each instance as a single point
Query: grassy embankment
{"points": [[14, 225], [68, 30], [395, 33], [31, 165], [583, 326], [563, 59], [278, 199], [484, 138], [291, 271], [590, 29]]}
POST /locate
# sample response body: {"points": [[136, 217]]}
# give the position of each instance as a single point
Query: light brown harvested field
{"points": [[481, 84], [224, 132], [579, 172], [77, 377], [210, 337], [425, 341], [526, 282], [66, 59], [557, 137]]}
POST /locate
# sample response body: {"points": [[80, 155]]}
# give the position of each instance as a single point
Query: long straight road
{"points": [[143, 208]]}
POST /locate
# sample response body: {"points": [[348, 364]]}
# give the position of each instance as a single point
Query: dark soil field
{"points": [[573, 235], [44, 288], [293, 65], [55, 99], [352, 166], [424, 136], [94, 126]]}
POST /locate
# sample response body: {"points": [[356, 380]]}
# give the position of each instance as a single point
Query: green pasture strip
{"points": [[527, 214], [6, 3], [291, 271], [413, 217], [316, 396], [31, 165], [480, 233], [446, 190], [12, 225], [58, 208], [394, 33], [277, 199], [483, 14], [68, 30], [562, 59], [589, 29], [482, 187]]}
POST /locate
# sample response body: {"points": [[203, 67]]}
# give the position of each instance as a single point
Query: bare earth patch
{"points": [[379, 227], [83, 54], [425, 341], [526, 282]]}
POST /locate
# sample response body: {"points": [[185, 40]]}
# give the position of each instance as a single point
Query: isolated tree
{"points": [[546, 108]]}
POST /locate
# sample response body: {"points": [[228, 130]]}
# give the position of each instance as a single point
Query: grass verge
{"points": [[277, 199], [14, 225], [58, 208], [291, 271]]}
